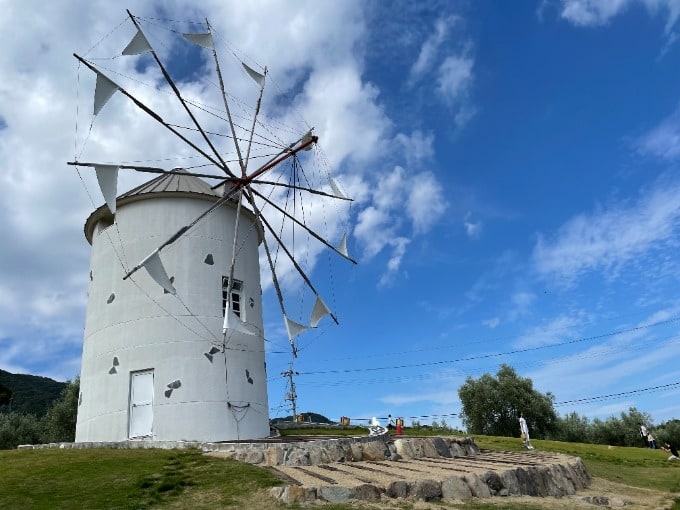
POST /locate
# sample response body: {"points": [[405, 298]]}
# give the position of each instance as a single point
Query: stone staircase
{"points": [[377, 467]]}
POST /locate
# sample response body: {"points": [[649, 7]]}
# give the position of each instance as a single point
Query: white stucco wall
{"points": [[147, 329]]}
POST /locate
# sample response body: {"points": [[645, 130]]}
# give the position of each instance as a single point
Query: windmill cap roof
{"points": [[177, 182]]}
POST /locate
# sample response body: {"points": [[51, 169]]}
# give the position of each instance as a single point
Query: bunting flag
{"points": [[259, 78], [154, 267], [233, 322], [342, 247], [335, 188], [107, 175], [204, 40], [293, 328], [103, 91], [320, 309], [138, 45]]}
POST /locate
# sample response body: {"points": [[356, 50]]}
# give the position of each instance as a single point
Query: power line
{"points": [[613, 396], [495, 355]]}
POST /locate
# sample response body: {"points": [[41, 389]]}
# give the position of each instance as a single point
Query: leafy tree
{"points": [[59, 423], [18, 428], [669, 432], [623, 431], [573, 428], [491, 405]]}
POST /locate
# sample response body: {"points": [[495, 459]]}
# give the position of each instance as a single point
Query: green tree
{"points": [[59, 423], [491, 405], [573, 428], [623, 431], [18, 428]]}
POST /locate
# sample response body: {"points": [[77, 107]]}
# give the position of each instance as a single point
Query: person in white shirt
{"points": [[524, 432]]}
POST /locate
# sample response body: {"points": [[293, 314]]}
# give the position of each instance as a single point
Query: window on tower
{"points": [[236, 294]]}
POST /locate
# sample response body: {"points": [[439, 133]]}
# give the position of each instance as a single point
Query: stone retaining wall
{"points": [[347, 449]]}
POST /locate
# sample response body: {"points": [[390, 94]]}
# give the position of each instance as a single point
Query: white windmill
{"points": [[176, 352]]}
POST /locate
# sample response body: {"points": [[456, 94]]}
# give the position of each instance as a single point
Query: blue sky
{"points": [[514, 170]]}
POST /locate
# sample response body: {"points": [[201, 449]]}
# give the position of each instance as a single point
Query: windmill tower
{"points": [[176, 352], [157, 367]]}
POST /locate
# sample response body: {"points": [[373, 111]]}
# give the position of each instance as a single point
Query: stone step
{"points": [[484, 475]]}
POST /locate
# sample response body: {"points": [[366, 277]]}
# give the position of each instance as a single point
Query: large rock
{"points": [[441, 447], [375, 450], [477, 486], [425, 490], [493, 482], [335, 494], [454, 487], [273, 456], [510, 482], [297, 457], [297, 494], [397, 489], [366, 492]]}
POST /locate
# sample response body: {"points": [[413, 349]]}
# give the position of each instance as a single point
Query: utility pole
{"points": [[291, 395]]}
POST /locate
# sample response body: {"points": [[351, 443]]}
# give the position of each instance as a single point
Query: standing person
{"points": [[672, 449], [390, 421], [651, 442], [644, 433], [524, 432]]}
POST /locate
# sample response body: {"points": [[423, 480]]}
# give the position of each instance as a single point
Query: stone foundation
{"points": [[378, 466]]}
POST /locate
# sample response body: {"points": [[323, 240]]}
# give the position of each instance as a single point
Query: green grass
{"points": [[130, 479], [175, 479]]}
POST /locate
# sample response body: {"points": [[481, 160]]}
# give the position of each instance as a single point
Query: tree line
{"points": [[491, 406], [57, 425]]}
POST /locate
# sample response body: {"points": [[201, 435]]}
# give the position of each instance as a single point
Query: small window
{"points": [[236, 291]]}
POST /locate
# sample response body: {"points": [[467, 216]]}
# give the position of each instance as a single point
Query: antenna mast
{"points": [[291, 395]]}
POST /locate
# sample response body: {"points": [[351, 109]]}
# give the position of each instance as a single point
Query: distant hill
{"points": [[307, 417], [30, 393]]}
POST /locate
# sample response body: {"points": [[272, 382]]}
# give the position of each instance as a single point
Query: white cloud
{"points": [[608, 239], [560, 329], [472, 229], [450, 68], [454, 78], [430, 48], [592, 12], [492, 323], [663, 141], [418, 147], [588, 13], [425, 203], [314, 54], [379, 224]]}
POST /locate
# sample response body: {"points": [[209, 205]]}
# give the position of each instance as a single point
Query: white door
{"points": [[141, 403]]}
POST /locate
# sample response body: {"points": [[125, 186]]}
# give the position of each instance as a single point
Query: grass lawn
{"points": [[186, 479], [130, 479]]}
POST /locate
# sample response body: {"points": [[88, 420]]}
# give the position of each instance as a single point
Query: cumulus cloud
{"points": [[418, 194], [609, 238], [319, 77]]}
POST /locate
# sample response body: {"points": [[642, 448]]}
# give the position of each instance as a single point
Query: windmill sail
{"points": [[103, 91]]}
